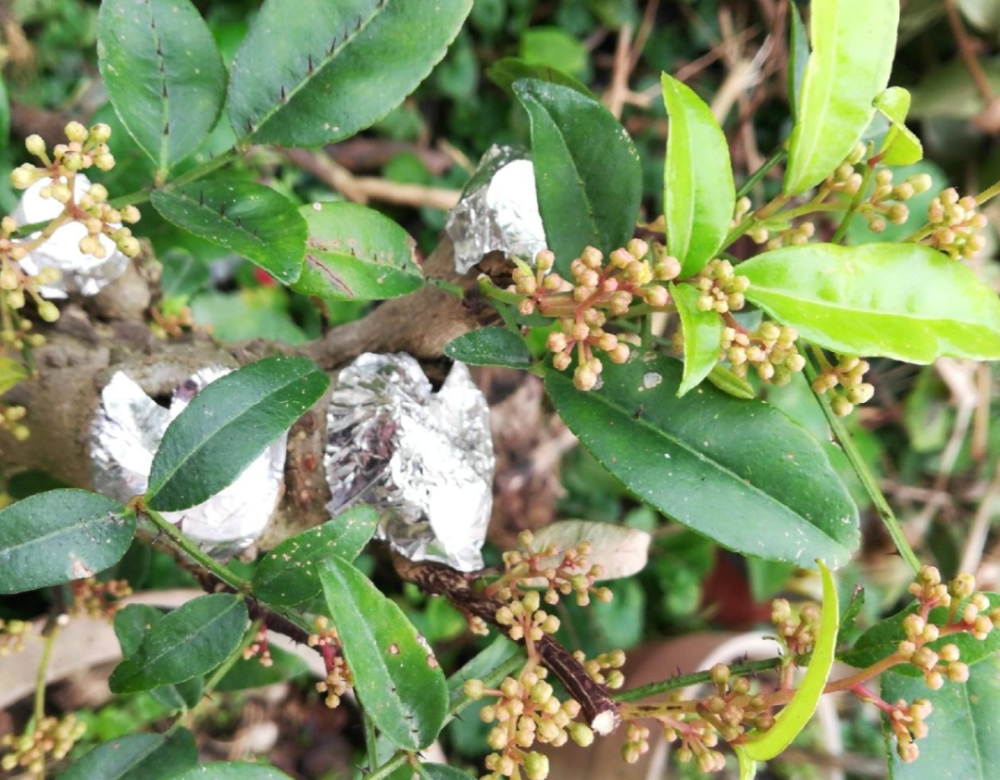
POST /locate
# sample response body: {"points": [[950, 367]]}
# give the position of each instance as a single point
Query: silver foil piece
{"points": [[424, 459], [81, 273], [125, 435], [498, 210]]}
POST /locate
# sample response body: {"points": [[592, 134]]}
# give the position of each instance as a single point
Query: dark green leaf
{"points": [[163, 74], [963, 740], [504, 72], [726, 381], [356, 253], [904, 301], [882, 640], [288, 574], [443, 772], [137, 757], [183, 274], [699, 195], [498, 652], [396, 677], [490, 347], [192, 640], [702, 336], [247, 218], [587, 170], [251, 673], [848, 67], [226, 427], [853, 609], [235, 770], [696, 458], [61, 535], [311, 72]]}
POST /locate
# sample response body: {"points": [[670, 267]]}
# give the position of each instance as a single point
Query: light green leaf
{"points": [[227, 426], [137, 757], [554, 48], [190, 641], [288, 574], [163, 73], [963, 739], [504, 72], [11, 372], [490, 347], [61, 535], [356, 253], [247, 218], [901, 146], [396, 677], [232, 770], [695, 458], [699, 196], [310, 72], [587, 170], [702, 336], [853, 46], [793, 718], [904, 301], [798, 48]]}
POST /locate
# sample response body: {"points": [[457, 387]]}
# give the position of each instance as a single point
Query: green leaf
{"points": [[798, 48], [310, 72], [192, 640], [58, 536], [904, 301], [702, 336], [183, 274], [853, 45], [247, 218], [699, 196], [163, 73], [132, 623], [396, 677], [442, 772], [696, 458], [504, 72], [587, 170], [494, 655], [251, 673], [793, 718], [288, 574], [901, 146], [137, 757], [232, 770], [726, 381], [11, 372], [356, 253], [882, 640], [555, 48], [619, 550], [490, 347], [963, 740], [226, 427]]}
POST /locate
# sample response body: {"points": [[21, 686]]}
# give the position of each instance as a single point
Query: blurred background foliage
{"points": [[931, 434]]}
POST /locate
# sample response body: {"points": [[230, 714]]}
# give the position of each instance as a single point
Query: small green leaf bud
{"points": [[48, 311]]}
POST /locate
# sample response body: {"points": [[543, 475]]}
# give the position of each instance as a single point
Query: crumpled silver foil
{"points": [[424, 459], [498, 210], [83, 274], [126, 433]]}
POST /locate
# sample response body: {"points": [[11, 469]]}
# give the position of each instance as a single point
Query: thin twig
{"points": [[614, 98], [975, 540]]}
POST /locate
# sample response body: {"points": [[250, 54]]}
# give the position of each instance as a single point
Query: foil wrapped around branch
{"points": [[498, 210], [424, 459], [125, 435]]}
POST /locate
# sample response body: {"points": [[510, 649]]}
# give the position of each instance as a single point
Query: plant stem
{"points": [[51, 632], [455, 289], [856, 202], [141, 196], [776, 157], [861, 469], [192, 550], [371, 740], [685, 680], [389, 766]]}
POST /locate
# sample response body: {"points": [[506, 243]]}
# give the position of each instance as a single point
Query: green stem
{"points": [[490, 291], [646, 334], [775, 158], [389, 766], [856, 202], [371, 740], [192, 550], [51, 632], [697, 678], [455, 289], [199, 171], [861, 469]]}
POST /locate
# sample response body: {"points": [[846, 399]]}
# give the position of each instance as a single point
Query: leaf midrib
{"points": [[85, 524], [186, 200]]}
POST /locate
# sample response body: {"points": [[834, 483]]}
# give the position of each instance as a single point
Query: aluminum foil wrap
{"points": [[126, 433], [83, 274], [498, 210], [424, 458]]}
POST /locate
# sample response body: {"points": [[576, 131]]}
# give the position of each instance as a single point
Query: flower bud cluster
{"points": [[338, 675], [10, 420], [770, 350], [908, 724], [956, 224], [86, 148], [722, 289], [98, 599], [258, 648], [600, 287], [798, 635], [848, 374], [779, 236], [12, 634], [525, 620], [16, 288], [526, 711], [887, 202], [636, 742], [605, 668], [51, 738]]}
